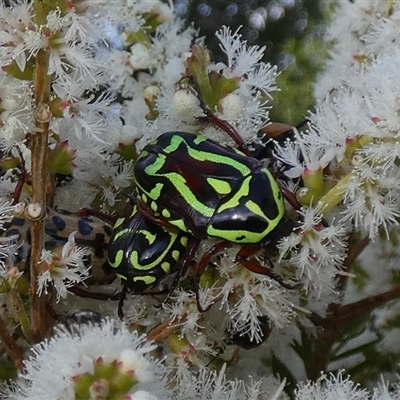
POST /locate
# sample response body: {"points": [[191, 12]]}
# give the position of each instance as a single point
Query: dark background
{"points": [[291, 30]]}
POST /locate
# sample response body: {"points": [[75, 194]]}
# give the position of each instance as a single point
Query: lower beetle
{"points": [[143, 253]]}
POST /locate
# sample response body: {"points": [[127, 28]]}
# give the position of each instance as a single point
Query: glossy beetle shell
{"points": [[207, 189]]}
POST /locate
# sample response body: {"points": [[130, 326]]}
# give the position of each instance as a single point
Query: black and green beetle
{"points": [[208, 190], [143, 253], [192, 183], [147, 245]]}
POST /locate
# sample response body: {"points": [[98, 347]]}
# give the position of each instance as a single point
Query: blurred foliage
{"points": [[292, 32], [296, 80]]}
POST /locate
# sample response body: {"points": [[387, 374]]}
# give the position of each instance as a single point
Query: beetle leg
{"points": [[144, 210], [202, 265], [89, 212], [21, 180], [194, 245], [121, 300], [290, 198], [249, 250], [228, 128], [78, 291], [217, 248]]}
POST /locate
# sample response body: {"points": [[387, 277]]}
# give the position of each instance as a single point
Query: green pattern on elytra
{"points": [[121, 233], [148, 280], [248, 236], [277, 196], [119, 222], [166, 267], [179, 182], [219, 185], [118, 259], [122, 277], [143, 253], [235, 200], [134, 256], [199, 155], [150, 237]]}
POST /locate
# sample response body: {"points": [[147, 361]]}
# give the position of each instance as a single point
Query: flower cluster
{"points": [[63, 270], [347, 162], [101, 80], [354, 131], [143, 56], [347, 158], [73, 366], [332, 387]]}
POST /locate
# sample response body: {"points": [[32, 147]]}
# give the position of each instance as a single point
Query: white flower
{"points": [[15, 115], [349, 31], [72, 361], [6, 209], [140, 57], [317, 251], [186, 105], [134, 361], [63, 271], [371, 198], [141, 395], [331, 388], [232, 106], [253, 295], [183, 304], [210, 385]]}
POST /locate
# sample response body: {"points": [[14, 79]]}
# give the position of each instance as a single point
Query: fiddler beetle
{"points": [[146, 246], [246, 341], [143, 253], [78, 318], [191, 183]]}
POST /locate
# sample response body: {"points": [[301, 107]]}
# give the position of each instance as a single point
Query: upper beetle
{"points": [[208, 190]]}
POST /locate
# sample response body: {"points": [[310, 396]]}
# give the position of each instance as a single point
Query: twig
{"points": [[39, 145], [163, 330], [18, 307], [10, 345], [350, 312]]}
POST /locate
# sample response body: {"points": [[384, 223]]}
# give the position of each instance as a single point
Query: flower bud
{"points": [[186, 104], [150, 93], [176, 343], [231, 106], [140, 57]]}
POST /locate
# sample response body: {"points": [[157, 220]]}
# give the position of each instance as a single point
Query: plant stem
{"points": [[10, 345], [163, 330], [18, 307], [350, 312], [39, 144]]}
